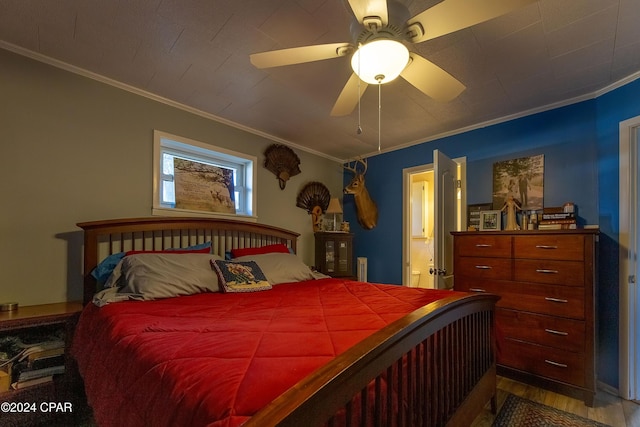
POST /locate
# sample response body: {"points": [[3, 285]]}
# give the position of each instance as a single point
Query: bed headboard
{"points": [[103, 238]]}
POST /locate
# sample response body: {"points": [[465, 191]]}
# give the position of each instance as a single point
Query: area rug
{"points": [[520, 412]]}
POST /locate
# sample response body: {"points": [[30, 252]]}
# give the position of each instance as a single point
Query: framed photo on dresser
{"points": [[473, 215], [490, 220]]}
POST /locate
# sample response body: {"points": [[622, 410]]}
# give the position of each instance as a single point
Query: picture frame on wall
{"points": [[521, 178], [473, 215], [491, 220]]}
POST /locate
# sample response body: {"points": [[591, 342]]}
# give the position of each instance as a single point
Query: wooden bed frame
{"points": [[441, 357]]}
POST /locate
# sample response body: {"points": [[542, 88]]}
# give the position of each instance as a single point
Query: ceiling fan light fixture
{"points": [[386, 58]]}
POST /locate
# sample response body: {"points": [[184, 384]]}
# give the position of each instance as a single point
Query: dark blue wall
{"points": [[580, 147], [612, 108]]}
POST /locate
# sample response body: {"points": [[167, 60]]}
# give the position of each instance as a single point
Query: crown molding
{"points": [[593, 95], [137, 91], [106, 80]]}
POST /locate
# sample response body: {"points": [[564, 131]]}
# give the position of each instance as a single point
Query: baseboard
{"points": [[576, 392], [607, 388]]}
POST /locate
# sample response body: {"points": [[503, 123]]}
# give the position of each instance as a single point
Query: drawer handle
{"points": [[556, 300], [482, 245], [544, 271], [483, 267], [546, 247], [476, 290], [553, 331], [559, 365]]}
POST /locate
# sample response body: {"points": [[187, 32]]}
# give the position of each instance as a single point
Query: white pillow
{"points": [[280, 267], [164, 275]]}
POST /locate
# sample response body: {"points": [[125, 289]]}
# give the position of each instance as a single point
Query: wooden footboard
{"points": [[434, 367]]}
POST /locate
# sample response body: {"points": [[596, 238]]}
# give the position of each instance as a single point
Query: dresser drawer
{"points": [[564, 334], [550, 246], [568, 273], [485, 245], [545, 361], [562, 301], [484, 268]]}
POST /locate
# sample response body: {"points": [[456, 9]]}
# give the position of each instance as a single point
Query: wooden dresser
{"points": [[545, 319]]}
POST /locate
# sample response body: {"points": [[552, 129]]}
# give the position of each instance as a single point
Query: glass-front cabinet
{"points": [[334, 254]]}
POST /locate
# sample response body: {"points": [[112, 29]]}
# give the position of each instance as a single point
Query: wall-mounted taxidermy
{"points": [[282, 162], [366, 208], [314, 198]]}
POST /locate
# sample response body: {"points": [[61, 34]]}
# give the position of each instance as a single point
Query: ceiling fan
{"points": [[382, 35]]}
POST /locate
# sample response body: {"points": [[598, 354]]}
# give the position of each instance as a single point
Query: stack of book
{"points": [[38, 363], [557, 219]]}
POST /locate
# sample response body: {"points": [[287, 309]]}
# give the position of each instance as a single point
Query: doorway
{"points": [[427, 242], [629, 236], [421, 252]]}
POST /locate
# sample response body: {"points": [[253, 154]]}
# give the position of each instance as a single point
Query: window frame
{"points": [[202, 152]]}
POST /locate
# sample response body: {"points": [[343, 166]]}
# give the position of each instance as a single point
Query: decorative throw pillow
{"points": [[281, 268], [240, 276]]}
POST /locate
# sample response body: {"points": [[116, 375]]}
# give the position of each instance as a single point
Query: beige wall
{"points": [[74, 149]]}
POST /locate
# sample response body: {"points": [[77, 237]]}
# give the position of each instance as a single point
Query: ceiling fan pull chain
{"points": [[359, 128], [379, 78]]}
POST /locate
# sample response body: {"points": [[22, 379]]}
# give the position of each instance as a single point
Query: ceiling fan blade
{"points": [[453, 15], [370, 8], [349, 96], [432, 80], [299, 55]]}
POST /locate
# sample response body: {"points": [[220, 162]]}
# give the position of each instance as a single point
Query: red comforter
{"points": [[216, 359]]}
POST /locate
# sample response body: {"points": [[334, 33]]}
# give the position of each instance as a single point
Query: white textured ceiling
{"points": [[196, 53]]}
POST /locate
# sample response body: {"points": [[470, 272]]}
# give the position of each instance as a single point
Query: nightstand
{"points": [[334, 254], [23, 406]]}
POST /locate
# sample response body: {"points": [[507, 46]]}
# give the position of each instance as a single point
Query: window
{"points": [[191, 177]]}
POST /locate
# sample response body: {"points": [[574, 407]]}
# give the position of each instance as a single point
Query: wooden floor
{"points": [[607, 409]]}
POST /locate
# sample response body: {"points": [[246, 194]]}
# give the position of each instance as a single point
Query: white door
{"points": [[449, 208], [445, 218], [629, 235]]}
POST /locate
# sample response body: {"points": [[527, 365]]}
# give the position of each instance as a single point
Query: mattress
{"points": [[215, 359]]}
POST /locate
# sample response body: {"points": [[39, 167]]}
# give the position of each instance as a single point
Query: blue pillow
{"points": [[193, 248], [104, 269]]}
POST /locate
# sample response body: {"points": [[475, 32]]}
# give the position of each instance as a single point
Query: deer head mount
{"points": [[366, 208]]}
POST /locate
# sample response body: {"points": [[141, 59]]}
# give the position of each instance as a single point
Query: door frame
{"points": [[406, 209], [629, 345]]}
